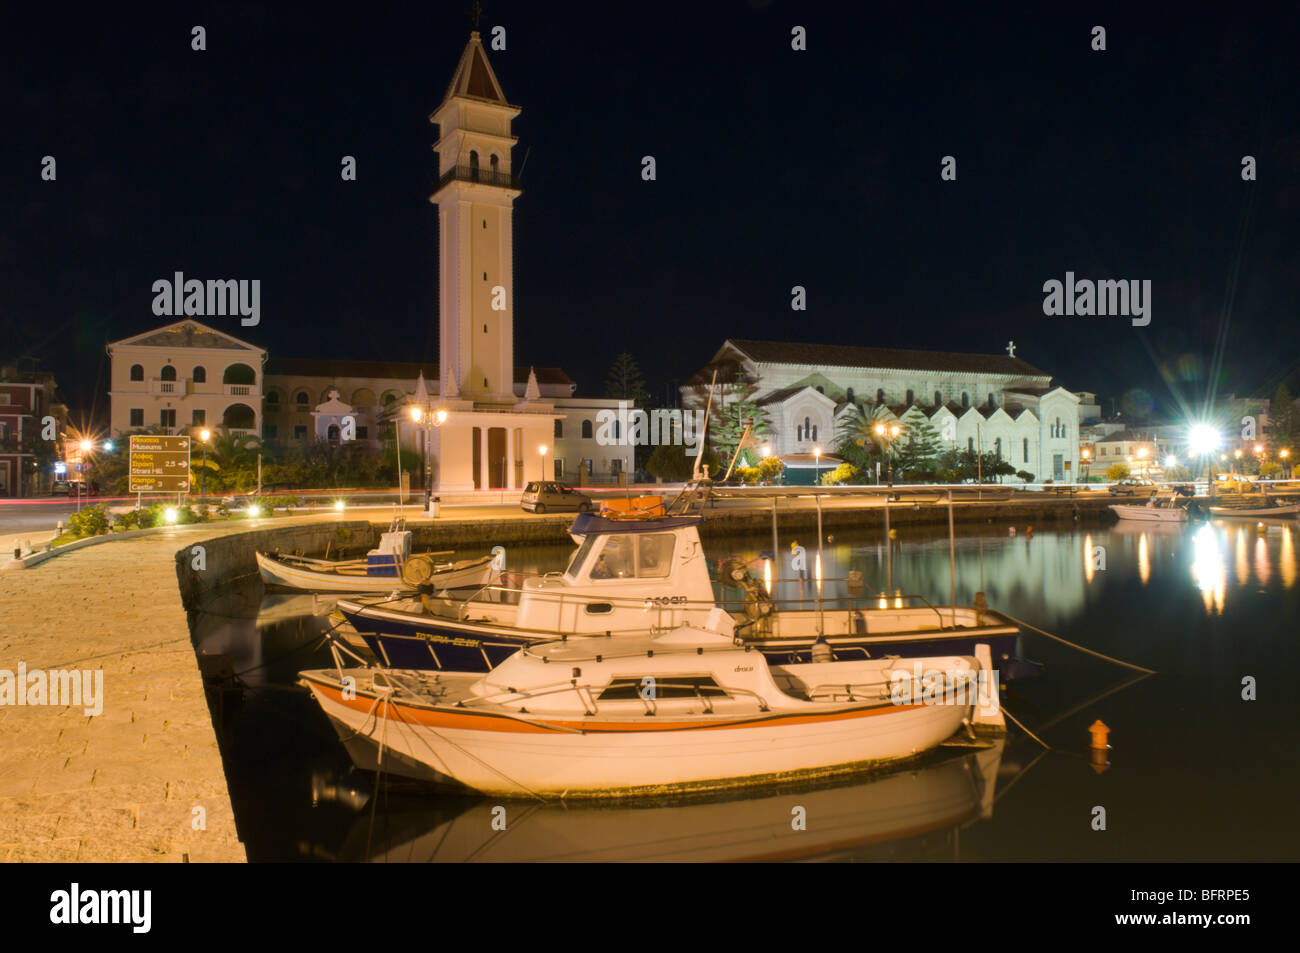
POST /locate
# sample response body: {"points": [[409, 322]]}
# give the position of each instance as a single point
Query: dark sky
{"points": [[775, 168]]}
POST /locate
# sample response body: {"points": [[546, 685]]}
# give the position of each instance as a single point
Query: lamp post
{"points": [[888, 435], [204, 434], [85, 446], [817, 466], [1087, 456], [432, 418], [1283, 454], [542, 451]]}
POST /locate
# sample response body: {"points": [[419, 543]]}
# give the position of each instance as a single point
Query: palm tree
{"points": [[227, 451]]}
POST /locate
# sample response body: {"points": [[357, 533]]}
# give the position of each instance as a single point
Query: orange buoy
{"points": [[1099, 734]]}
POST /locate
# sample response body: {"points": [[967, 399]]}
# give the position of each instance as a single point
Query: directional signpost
{"points": [[159, 464]]}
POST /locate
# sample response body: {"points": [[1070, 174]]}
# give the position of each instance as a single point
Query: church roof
{"points": [[845, 355], [474, 77], [393, 370]]}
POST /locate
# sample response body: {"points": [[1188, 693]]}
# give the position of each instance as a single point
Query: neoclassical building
{"points": [[992, 402]]}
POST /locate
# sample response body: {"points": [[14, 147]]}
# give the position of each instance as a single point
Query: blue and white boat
{"points": [[636, 577]]}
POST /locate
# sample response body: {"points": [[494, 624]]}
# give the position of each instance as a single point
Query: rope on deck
{"points": [[1073, 645]]}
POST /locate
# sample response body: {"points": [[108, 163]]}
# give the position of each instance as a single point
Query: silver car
{"points": [[545, 496]]}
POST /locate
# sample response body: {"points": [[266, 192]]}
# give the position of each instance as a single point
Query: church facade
{"points": [[994, 403]]}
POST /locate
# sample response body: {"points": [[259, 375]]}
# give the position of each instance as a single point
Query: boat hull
{"points": [[285, 576], [1255, 512], [514, 756], [430, 643], [1149, 514]]}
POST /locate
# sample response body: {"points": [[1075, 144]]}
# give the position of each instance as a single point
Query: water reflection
{"points": [[908, 814]]}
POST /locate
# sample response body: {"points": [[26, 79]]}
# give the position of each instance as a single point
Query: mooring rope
{"points": [[1073, 645], [1019, 724]]}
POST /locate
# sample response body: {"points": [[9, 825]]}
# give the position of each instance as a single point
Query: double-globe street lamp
{"points": [[204, 435], [432, 418]]}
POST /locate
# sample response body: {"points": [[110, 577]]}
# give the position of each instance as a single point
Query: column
{"points": [[485, 477]]}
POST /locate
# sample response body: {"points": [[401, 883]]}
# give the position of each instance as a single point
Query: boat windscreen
{"points": [[575, 564]]}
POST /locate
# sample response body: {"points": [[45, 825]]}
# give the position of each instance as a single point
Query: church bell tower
{"points": [[475, 196]]}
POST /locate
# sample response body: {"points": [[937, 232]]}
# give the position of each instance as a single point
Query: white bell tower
{"points": [[489, 438], [475, 196]]}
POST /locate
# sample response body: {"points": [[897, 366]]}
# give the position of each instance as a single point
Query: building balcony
{"points": [[239, 390], [171, 388], [469, 173]]}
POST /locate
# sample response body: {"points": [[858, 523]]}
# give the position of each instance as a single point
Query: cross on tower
{"points": [[1011, 348], [474, 13]]}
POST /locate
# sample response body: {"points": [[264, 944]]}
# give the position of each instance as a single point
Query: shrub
{"points": [[770, 469], [1025, 476], [747, 475], [1116, 472], [844, 473], [90, 521]]}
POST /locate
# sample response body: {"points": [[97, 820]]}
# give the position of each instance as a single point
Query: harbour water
{"points": [[1196, 771]]}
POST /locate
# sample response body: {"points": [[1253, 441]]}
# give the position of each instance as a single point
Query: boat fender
{"points": [[821, 650]]}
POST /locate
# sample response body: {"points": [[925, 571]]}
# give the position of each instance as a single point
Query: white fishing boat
{"points": [[1170, 510], [683, 710], [387, 568], [1274, 509]]}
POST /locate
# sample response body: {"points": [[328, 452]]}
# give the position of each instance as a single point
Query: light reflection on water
{"points": [[1196, 773]]}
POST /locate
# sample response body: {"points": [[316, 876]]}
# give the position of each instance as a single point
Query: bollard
{"points": [[1100, 749]]}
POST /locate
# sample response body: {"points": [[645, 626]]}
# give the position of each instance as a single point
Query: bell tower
{"points": [[475, 196]]}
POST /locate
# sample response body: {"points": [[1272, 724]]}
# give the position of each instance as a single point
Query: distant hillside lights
{"points": [[1102, 298], [213, 298]]}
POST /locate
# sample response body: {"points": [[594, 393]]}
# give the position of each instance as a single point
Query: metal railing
{"points": [[473, 173]]}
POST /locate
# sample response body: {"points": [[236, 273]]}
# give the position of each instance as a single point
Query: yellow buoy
{"points": [[1099, 734]]}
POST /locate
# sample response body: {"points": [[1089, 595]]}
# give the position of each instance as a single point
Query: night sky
{"points": [[775, 168]]}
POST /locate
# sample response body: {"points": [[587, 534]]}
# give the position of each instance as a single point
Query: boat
{"points": [[916, 813], [634, 576], [387, 568], [1275, 509], [1167, 510], [681, 711]]}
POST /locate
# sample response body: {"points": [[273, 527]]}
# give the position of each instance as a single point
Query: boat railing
{"points": [[587, 694]]}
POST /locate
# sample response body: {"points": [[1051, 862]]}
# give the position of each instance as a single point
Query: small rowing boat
{"points": [[387, 568], [681, 710], [1254, 512]]}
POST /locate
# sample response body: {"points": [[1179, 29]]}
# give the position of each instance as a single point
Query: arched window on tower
{"points": [[910, 397], [938, 399], [473, 165], [965, 399], [848, 395], [494, 164], [880, 395]]}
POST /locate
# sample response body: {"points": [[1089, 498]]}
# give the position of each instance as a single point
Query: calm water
{"points": [[1196, 772]]}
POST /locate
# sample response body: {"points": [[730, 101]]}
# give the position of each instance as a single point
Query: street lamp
{"points": [[889, 434], [432, 418], [204, 436], [817, 466], [542, 451]]}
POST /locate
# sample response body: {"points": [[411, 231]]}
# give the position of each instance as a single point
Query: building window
{"points": [[880, 395], [1026, 451], [137, 416], [299, 432], [200, 417], [807, 427], [586, 429], [363, 433], [997, 448], [559, 429], [268, 431], [494, 163], [965, 399], [200, 375], [798, 433], [137, 372], [992, 402], [910, 397], [168, 373], [814, 436], [970, 444], [301, 398], [848, 395], [938, 399], [167, 418], [617, 432], [273, 399]]}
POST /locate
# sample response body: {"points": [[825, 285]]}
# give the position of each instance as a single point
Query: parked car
{"points": [[1133, 488], [543, 496], [61, 488]]}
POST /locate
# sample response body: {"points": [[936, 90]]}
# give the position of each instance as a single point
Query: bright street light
{"points": [[169, 514], [417, 414], [1203, 439], [205, 434], [338, 505]]}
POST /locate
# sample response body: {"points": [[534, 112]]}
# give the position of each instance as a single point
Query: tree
{"points": [[917, 447], [1283, 421], [625, 381], [1116, 472], [735, 411], [671, 463]]}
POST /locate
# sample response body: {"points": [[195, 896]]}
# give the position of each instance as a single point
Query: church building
{"points": [[808, 393]]}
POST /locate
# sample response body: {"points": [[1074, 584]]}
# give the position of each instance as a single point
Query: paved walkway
{"points": [[144, 779]]}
